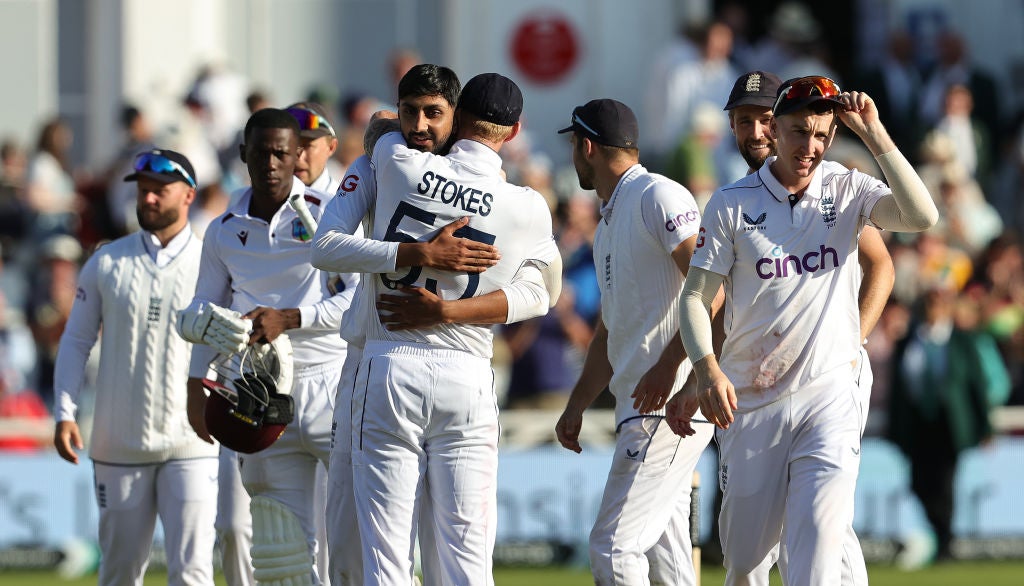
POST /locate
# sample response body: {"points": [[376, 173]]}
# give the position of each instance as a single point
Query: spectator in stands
{"points": [[51, 191], [946, 380]]}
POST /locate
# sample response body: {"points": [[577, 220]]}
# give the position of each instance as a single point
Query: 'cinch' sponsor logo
{"points": [[679, 219], [781, 266]]}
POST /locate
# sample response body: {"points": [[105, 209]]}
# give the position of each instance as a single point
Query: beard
{"points": [[151, 220], [754, 158]]}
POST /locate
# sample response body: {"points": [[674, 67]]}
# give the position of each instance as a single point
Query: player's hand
{"points": [[715, 392], [67, 438], [568, 429], [858, 112], [196, 408], [681, 408], [452, 253], [654, 387], [416, 307], [268, 323]]}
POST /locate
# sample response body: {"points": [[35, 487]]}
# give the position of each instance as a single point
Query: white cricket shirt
{"points": [[248, 262], [420, 193], [791, 276], [644, 220]]}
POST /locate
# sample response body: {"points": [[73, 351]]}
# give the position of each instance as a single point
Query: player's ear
{"points": [[241, 152], [515, 130]]}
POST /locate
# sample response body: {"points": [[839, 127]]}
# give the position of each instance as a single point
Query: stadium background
{"points": [[83, 58]]}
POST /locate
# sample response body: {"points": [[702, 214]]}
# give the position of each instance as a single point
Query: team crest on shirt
{"points": [[299, 231], [828, 210], [754, 223]]}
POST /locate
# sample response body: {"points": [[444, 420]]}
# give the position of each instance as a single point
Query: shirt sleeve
{"points": [[715, 249], [80, 333], [213, 285], [670, 214], [338, 246], [327, 314]]}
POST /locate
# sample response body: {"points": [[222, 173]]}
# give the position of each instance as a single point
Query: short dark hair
{"points": [[270, 118], [427, 79]]}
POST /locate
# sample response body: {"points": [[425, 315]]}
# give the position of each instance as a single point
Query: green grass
{"points": [[953, 574]]}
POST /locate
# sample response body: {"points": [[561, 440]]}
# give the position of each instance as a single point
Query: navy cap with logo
{"points": [[754, 88], [606, 121], [492, 97], [163, 165]]}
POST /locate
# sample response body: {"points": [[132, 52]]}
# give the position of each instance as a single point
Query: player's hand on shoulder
{"points": [[567, 429], [449, 252], [67, 438], [411, 308], [196, 408]]}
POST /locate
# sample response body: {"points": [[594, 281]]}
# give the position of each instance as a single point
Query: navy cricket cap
{"points": [[800, 92], [492, 97], [606, 121], [754, 88], [163, 165]]}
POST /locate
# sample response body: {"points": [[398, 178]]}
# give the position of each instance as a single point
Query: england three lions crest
{"points": [[828, 210]]}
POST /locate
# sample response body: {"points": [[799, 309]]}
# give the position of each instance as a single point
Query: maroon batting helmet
{"points": [[250, 409]]}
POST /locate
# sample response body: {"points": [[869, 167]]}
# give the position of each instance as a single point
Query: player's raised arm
{"points": [[911, 208]]}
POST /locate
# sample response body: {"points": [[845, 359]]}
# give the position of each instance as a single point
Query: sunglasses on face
{"points": [[309, 120], [805, 87], [158, 163]]}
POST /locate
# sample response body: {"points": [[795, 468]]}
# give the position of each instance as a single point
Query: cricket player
{"points": [[750, 112], [424, 403], [427, 98], [319, 141], [256, 262], [147, 461], [646, 235], [783, 241]]}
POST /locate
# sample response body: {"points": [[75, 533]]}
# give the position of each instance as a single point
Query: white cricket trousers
{"points": [[343, 543], [183, 493], [287, 470], [792, 464], [855, 572], [234, 522], [425, 413], [646, 504]]}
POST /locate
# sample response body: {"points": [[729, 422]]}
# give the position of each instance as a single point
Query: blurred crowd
{"points": [[943, 109]]}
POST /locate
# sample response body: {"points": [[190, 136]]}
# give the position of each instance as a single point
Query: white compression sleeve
{"points": [[526, 295], [911, 208], [699, 291]]}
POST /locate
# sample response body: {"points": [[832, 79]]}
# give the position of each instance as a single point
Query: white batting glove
{"points": [[203, 322]]}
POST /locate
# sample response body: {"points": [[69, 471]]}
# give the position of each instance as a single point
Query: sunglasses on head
{"points": [[805, 87], [310, 120], [158, 163]]}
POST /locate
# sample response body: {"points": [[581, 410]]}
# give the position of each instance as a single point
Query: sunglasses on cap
{"points": [[805, 87], [158, 163], [310, 120]]}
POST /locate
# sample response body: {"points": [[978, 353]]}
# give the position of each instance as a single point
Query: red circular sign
{"points": [[544, 47]]}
